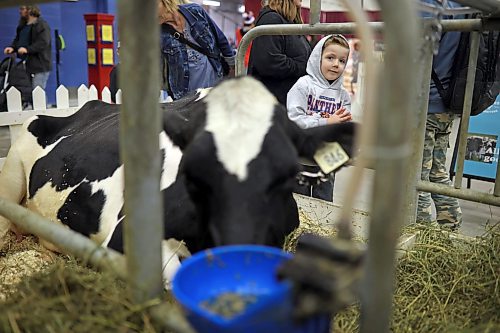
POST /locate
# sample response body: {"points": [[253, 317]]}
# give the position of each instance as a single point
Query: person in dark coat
{"points": [[33, 44], [279, 61]]}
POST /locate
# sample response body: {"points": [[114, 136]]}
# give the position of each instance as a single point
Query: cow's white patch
{"points": [[112, 187], [16, 173], [111, 232], [171, 252], [171, 161], [239, 115], [31, 151], [47, 201], [202, 93]]}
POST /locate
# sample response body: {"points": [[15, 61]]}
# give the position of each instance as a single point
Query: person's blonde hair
{"points": [[285, 8], [171, 6]]}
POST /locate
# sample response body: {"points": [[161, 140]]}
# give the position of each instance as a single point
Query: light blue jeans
{"points": [[40, 79]]}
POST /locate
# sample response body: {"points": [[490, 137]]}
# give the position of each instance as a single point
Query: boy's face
{"points": [[333, 61]]}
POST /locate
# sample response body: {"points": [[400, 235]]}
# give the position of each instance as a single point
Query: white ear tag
{"points": [[330, 157]]}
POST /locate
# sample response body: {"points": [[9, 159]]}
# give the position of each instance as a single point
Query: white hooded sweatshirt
{"points": [[313, 95]]}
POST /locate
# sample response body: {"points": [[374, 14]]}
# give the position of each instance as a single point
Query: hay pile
{"points": [[67, 297], [44, 292], [444, 285], [19, 260], [307, 225]]}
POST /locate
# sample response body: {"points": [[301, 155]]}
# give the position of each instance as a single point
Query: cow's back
{"points": [[71, 168]]}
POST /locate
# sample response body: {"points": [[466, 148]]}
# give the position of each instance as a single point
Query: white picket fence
{"points": [[15, 116]]}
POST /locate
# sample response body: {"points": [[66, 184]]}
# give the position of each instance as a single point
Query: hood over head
{"points": [[314, 64]]}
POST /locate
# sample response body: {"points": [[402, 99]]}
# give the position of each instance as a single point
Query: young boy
{"points": [[319, 98]]}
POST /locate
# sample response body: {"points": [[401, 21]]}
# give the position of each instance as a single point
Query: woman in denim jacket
{"points": [[186, 69]]}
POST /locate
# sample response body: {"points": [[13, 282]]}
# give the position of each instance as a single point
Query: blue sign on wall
{"points": [[482, 151]]}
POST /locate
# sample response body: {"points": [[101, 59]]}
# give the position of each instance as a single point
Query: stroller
{"points": [[13, 74]]}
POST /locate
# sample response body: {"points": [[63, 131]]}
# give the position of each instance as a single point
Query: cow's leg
{"points": [[172, 251], [12, 188]]}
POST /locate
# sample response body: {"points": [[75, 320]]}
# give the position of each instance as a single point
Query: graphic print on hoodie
{"points": [[313, 95]]}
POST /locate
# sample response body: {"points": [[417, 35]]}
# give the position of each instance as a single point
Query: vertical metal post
{"points": [[496, 190], [139, 145], [419, 119], [464, 124], [314, 11], [393, 152]]}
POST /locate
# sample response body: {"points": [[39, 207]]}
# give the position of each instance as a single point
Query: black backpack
{"points": [[487, 81]]}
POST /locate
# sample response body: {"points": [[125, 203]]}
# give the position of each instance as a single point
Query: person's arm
{"points": [[222, 43], [297, 106], [43, 39], [268, 54]]}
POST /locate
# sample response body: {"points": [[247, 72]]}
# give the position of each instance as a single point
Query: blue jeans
{"points": [[323, 191], [40, 79]]}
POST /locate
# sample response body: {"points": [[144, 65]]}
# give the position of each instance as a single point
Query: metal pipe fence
{"points": [[425, 58]]}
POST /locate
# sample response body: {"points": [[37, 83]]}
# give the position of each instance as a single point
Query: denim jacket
{"points": [[207, 35]]}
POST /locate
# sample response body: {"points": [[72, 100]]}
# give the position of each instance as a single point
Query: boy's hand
{"points": [[340, 116]]}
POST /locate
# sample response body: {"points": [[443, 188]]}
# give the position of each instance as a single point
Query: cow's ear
{"points": [[178, 128], [343, 133], [307, 141]]}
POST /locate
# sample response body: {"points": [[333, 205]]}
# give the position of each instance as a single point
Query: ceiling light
{"points": [[211, 3]]}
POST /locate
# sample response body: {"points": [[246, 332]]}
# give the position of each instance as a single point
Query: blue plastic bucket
{"points": [[246, 270]]}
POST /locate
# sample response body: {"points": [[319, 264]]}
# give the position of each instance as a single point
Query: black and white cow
{"points": [[230, 162]]}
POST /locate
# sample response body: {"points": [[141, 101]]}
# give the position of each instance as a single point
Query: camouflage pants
{"points": [[437, 135]]}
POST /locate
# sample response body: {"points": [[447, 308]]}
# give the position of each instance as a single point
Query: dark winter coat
{"points": [[278, 61], [40, 50]]}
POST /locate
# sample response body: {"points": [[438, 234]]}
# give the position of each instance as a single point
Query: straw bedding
{"points": [[442, 285]]}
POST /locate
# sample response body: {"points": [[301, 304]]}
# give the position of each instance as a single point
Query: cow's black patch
{"points": [[116, 241], [82, 209], [88, 149]]}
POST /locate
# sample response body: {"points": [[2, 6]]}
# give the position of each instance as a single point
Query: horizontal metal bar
{"points": [[350, 27], [487, 6], [471, 24], [466, 194], [446, 11], [344, 28]]}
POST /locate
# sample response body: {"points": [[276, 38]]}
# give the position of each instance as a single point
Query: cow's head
{"points": [[240, 161]]}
